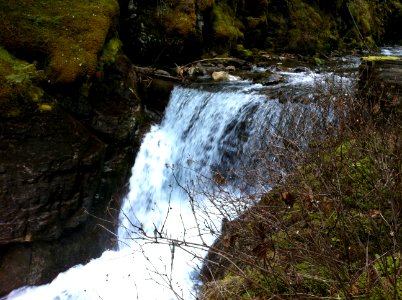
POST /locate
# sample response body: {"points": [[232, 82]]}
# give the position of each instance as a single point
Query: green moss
{"points": [[311, 31], [69, 33], [180, 23], [243, 52], [360, 10], [380, 58], [254, 22], [15, 71], [18, 92], [110, 52], [205, 4], [178, 17], [230, 287], [45, 107], [344, 148], [226, 26], [16, 77], [35, 94]]}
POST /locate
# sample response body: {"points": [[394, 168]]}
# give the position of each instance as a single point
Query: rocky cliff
{"points": [[70, 123]]}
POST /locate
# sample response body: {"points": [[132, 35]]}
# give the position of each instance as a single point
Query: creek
{"points": [[186, 172]]}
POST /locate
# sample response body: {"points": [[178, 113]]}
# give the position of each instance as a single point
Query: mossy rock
{"points": [[110, 52], [18, 91], [64, 36], [380, 58]]}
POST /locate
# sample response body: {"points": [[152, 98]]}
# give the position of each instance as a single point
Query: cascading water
{"points": [[162, 233]]}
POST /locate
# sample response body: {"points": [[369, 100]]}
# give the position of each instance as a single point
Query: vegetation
{"points": [[310, 30], [17, 84], [379, 58], [226, 26], [332, 226], [179, 17], [64, 37], [110, 52]]}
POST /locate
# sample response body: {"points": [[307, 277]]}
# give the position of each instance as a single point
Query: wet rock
{"points": [[52, 165], [116, 106], [63, 171], [155, 93], [220, 75], [267, 78]]}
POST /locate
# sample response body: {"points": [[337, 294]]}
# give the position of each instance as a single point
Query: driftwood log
{"points": [[157, 73]]}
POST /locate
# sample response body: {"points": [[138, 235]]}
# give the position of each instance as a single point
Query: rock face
{"points": [[64, 165], [50, 168]]}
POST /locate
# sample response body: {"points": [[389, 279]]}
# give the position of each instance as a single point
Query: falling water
{"points": [[162, 235]]}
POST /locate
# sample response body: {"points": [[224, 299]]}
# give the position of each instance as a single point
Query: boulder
{"points": [[380, 81], [220, 75]]}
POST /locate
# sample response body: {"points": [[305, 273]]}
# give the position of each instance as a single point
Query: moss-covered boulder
{"points": [[64, 37]]}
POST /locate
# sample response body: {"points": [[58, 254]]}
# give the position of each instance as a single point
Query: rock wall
{"points": [[63, 172], [71, 122]]}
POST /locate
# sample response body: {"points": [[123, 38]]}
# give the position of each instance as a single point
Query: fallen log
{"points": [[157, 73]]}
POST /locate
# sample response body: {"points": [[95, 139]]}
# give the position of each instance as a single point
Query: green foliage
{"points": [[110, 52], [244, 53], [179, 17], [311, 31], [204, 4], [69, 33], [226, 26], [360, 10], [18, 92], [15, 71]]}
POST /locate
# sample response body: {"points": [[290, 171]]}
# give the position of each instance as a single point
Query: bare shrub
{"points": [[330, 228]]}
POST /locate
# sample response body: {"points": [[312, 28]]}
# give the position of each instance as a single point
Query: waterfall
{"points": [[162, 235]]}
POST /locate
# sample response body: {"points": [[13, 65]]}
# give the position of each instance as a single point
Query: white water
{"points": [[391, 51], [200, 131]]}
